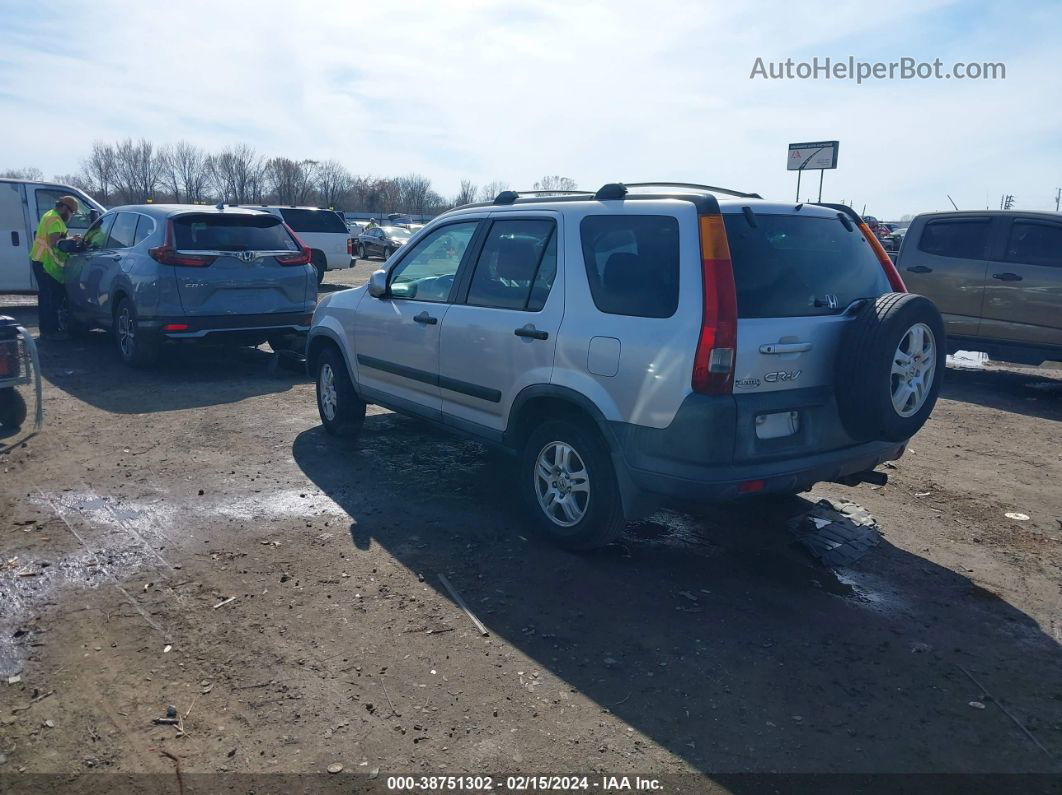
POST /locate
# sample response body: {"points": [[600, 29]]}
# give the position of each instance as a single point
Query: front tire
{"points": [[136, 347], [342, 411], [569, 486]]}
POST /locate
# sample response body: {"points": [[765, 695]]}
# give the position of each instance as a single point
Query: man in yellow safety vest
{"points": [[48, 264]]}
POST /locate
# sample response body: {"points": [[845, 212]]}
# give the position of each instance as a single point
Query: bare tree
{"points": [[467, 194], [137, 169], [100, 170], [32, 174], [290, 181], [238, 173], [168, 174], [556, 183], [74, 181], [333, 183], [489, 191], [190, 163], [414, 192]]}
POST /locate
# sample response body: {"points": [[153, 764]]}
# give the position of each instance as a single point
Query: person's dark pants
{"points": [[50, 296]]}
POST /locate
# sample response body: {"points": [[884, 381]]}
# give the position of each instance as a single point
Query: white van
{"points": [[323, 231], [22, 203]]}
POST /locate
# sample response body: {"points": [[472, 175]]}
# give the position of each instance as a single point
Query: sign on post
{"points": [[812, 156]]}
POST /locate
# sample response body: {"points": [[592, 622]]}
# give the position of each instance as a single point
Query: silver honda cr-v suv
{"points": [[640, 341]]}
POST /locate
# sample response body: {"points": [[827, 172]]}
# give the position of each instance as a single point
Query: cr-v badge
{"points": [[782, 375]]}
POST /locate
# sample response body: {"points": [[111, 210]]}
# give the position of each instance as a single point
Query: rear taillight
{"points": [[302, 257], [713, 364], [167, 253], [893, 275], [9, 363]]}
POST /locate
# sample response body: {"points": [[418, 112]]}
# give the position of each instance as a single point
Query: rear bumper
{"points": [[227, 325], [778, 477], [711, 448]]}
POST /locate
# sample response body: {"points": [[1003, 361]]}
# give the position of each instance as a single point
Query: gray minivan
{"points": [[996, 276], [153, 273]]}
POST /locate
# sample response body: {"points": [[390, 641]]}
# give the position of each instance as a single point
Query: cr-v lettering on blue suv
{"points": [[643, 340], [153, 273]]}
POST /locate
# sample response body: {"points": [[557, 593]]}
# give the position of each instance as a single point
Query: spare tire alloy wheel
{"points": [[562, 484], [913, 368]]}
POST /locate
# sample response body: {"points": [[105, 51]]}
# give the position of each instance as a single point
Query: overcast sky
{"points": [[598, 91]]}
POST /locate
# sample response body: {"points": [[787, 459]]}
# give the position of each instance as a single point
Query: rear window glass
{"points": [[632, 263], [313, 221], [510, 265], [962, 238], [231, 233], [795, 266]]}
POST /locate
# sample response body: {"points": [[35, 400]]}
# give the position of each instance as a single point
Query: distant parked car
{"points": [[398, 219], [996, 276], [382, 241], [323, 231], [357, 227], [157, 272]]}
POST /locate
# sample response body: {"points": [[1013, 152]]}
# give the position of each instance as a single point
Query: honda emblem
{"points": [[832, 302]]}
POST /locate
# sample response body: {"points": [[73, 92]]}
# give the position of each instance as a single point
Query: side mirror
{"points": [[378, 284], [68, 246], [94, 215]]}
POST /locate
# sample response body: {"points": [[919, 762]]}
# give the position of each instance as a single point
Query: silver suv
{"points": [[642, 341]]}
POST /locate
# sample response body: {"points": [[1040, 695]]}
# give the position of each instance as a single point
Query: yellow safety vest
{"points": [[51, 258]]}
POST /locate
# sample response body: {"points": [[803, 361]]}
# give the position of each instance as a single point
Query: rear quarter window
{"points": [[796, 266], [632, 263], [313, 221], [231, 233]]}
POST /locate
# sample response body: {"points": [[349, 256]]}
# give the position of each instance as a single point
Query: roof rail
{"points": [[510, 196], [711, 188]]}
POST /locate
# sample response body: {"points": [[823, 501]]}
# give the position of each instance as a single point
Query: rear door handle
{"points": [[530, 331], [785, 347], [424, 317], [920, 269], [1007, 277], [14, 238]]}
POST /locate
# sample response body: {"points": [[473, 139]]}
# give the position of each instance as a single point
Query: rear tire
{"points": [[889, 367], [569, 486], [12, 409], [320, 265], [136, 347], [342, 411], [361, 251]]}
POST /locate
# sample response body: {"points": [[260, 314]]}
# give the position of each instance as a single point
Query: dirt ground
{"points": [[188, 535]]}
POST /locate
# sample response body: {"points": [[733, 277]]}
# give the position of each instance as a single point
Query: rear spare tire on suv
{"points": [[889, 366], [569, 485]]}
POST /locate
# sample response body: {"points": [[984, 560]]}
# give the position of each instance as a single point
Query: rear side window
{"points": [[313, 221], [797, 266], [144, 227], [123, 231], [1035, 243], [963, 238], [509, 266], [231, 233], [632, 263]]}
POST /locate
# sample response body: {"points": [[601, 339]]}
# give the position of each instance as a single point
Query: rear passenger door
{"points": [[948, 263], [1023, 291], [501, 334]]}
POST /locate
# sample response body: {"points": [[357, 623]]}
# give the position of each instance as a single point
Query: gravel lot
{"points": [[189, 536]]}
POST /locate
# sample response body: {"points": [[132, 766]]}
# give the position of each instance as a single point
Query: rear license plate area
{"points": [[777, 425]]}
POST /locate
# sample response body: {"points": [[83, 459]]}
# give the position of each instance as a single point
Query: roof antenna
{"points": [[953, 204]]}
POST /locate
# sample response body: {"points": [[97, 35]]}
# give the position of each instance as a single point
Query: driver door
{"points": [[396, 337]]}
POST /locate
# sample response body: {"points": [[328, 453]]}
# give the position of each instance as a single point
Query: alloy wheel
{"points": [[913, 369], [562, 484]]}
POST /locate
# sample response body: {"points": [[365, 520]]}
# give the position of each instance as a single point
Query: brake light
{"points": [[175, 327], [893, 275], [167, 253], [301, 257], [713, 364]]}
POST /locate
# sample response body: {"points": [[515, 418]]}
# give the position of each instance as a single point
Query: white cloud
{"points": [[596, 91]]}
